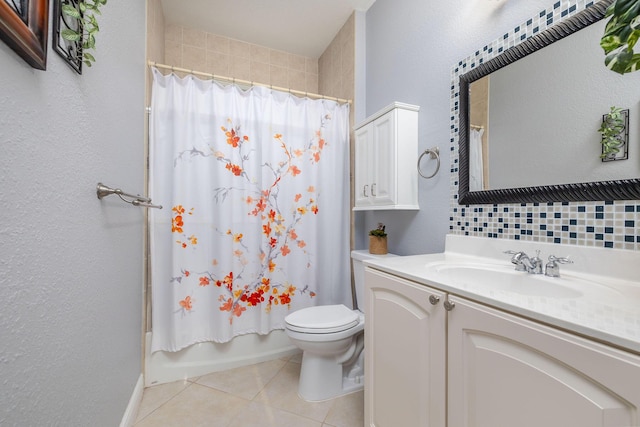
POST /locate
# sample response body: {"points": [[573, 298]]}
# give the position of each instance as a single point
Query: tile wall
{"points": [[337, 64], [201, 51], [609, 224]]}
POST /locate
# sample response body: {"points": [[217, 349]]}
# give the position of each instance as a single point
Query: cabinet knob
{"points": [[434, 299], [449, 305]]}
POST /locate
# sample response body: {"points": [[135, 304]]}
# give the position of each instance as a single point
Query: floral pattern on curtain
{"points": [[257, 182]]}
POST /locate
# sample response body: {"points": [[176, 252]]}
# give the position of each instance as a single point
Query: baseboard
{"points": [[131, 412]]}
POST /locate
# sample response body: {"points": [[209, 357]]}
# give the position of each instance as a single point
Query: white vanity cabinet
{"points": [[405, 350], [508, 371], [386, 153], [479, 366]]}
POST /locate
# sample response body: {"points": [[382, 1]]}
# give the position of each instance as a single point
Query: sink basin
{"points": [[505, 278]]}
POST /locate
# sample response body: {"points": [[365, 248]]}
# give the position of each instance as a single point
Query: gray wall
{"points": [[411, 48], [71, 265]]}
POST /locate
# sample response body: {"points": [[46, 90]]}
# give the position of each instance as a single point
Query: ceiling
{"points": [[301, 27]]}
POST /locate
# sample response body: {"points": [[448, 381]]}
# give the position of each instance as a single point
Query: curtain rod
{"points": [[247, 82]]}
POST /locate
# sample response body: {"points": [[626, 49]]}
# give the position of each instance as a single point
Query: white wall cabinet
{"points": [[498, 369], [405, 350], [386, 154]]}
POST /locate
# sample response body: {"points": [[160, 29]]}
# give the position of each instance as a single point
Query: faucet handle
{"points": [[552, 269], [560, 260], [537, 263]]}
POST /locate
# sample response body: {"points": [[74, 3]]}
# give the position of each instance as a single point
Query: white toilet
{"points": [[332, 339]]}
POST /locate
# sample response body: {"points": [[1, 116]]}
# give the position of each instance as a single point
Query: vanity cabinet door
{"points": [[405, 353], [508, 371]]}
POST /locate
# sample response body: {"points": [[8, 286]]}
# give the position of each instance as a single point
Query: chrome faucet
{"points": [[524, 263]]}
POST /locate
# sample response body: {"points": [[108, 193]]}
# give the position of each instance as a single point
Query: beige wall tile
{"points": [[159, 18], [279, 76], [218, 63], [239, 48], [297, 62], [311, 66], [348, 57], [217, 43], [259, 54], [173, 32], [336, 66], [279, 58], [311, 83], [260, 72], [297, 80], [173, 52], [240, 68], [195, 38], [194, 58], [155, 32]]}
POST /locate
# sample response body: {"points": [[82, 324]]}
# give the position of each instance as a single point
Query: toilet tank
{"points": [[358, 272]]}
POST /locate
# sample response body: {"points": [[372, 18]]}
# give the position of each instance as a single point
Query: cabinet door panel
{"points": [[507, 371], [384, 171], [405, 352], [363, 149]]}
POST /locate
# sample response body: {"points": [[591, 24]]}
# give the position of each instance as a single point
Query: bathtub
{"points": [[204, 358]]}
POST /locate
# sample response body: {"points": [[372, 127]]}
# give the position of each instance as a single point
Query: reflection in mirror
{"points": [[479, 96], [529, 120]]}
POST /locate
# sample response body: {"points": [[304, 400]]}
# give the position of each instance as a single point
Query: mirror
{"points": [[529, 120]]}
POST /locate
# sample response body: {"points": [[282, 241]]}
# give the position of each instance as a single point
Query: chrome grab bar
{"points": [[135, 200]]}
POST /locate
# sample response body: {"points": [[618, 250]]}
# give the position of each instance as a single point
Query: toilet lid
{"points": [[322, 319]]}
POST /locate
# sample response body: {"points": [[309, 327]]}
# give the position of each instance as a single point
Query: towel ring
{"points": [[434, 153]]}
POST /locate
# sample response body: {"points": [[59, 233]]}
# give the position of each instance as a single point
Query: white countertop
{"points": [[608, 310]]}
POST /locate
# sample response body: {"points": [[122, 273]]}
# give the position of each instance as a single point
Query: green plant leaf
{"points": [[633, 38], [70, 35], [619, 60], [71, 11], [621, 35], [610, 43], [621, 6], [88, 56], [630, 13]]}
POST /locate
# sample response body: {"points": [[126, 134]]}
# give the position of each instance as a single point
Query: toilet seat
{"points": [[323, 319]]}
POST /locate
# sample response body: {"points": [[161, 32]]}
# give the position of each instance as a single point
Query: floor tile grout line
{"points": [[189, 384]]}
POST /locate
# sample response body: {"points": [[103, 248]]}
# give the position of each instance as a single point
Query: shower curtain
{"points": [[256, 219]]}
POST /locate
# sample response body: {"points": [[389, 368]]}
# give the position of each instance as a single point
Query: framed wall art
{"points": [[24, 26]]}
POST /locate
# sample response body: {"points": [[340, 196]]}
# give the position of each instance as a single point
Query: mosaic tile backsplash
{"points": [[609, 224]]}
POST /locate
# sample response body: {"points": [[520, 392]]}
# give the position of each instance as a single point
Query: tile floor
{"points": [[261, 395]]}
